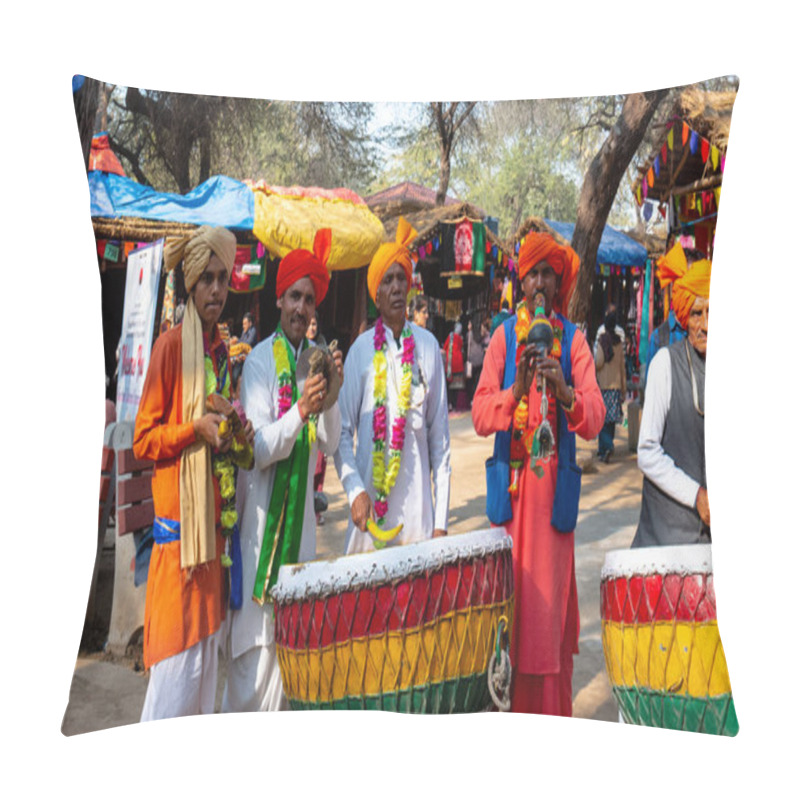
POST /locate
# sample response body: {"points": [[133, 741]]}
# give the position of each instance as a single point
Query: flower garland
{"points": [[286, 383], [384, 474], [523, 439], [218, 381]]}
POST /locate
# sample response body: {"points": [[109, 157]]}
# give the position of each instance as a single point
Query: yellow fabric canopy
{"points": [[288, 218]]}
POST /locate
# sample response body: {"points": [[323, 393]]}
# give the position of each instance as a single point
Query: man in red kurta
{"points": [[541, 524], [184, 601]]}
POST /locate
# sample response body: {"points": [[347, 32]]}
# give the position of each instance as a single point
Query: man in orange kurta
{"points": [[546, 620], [184, 605]]}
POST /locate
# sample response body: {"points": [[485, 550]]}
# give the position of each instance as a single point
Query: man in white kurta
{"points": [[426, 450], [254, 681], [420, 498]]}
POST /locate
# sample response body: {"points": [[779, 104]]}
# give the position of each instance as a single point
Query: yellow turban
{"points": [[198, 522], [389, 253], [688, 282]]}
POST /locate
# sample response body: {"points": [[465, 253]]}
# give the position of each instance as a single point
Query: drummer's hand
{"points": [[439, 532], [337, 360], [314, 391], [361, 511], [702, 505], [249, 432]]}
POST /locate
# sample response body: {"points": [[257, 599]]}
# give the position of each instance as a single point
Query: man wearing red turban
{"points": [[671, 450], [539, 509], [278, 523]]}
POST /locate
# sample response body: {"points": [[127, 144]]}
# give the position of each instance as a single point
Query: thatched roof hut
{"points": [[403, 199], [538, 225], [691, 155]]}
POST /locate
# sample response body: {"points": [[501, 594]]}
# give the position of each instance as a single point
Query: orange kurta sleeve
{"points": [[493, 407], [160, 432]]}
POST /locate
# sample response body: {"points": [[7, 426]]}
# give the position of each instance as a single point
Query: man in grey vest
{"points": [[672, 436]]}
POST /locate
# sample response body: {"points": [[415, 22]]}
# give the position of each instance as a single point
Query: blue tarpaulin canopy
{"points": [[615, 248], [217, 201]]}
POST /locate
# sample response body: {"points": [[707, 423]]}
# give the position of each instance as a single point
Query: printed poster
{"points": [[138, 319]]}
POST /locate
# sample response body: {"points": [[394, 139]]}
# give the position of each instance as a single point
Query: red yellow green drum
{"points": [[661, 642], [406, 629]]}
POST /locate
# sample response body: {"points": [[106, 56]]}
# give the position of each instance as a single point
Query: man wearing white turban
{"points": [[184, 605]]}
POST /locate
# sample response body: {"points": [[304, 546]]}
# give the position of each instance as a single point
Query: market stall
{"points": [[682, 177], [267, 221], [460, 260]]}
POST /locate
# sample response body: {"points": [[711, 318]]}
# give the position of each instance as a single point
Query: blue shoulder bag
{"points": [[498, 474]]}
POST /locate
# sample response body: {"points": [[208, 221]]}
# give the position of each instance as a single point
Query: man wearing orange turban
{"points": [[395, 432], [541, 513], [278, 525], [671, 450], [184, 603], [675, 262]]}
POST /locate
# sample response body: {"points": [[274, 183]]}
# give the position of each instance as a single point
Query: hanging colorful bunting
{"points": [[644, 188], [722, 164], [684, 133], [656, 167], [705, 147], [650, 177], [716, 196], [671, 138], [639, 195], [664, 153], [714, 157], [647, 211], [694, 141], [429, 247]]}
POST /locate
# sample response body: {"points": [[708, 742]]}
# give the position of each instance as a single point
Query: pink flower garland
{"points": [[379, 418]]}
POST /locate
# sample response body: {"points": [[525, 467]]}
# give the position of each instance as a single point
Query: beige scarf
{"points": [[198, 524]]}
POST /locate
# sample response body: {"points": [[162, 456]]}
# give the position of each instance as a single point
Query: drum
{"points": [[408, 628], [661, 643]]}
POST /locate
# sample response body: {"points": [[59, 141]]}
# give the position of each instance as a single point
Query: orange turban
{"points": [[304, 264], [389, 253], [688, 282], [562, 258]]}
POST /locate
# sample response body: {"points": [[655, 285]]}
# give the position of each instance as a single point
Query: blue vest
{"points": [[568, 477]]}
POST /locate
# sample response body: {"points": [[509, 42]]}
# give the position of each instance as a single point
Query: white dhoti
{"points": [[183, 684], [254, 682]]}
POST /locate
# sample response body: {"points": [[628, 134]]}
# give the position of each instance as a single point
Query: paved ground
{"points": [[106, 693]]}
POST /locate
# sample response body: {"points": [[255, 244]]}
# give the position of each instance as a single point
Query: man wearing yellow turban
{"points": [[278, 526], [184, 602], [539, 507], [671, 450], [676, 260], [395, 433]]}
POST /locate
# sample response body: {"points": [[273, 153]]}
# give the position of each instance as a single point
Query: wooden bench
{"points": [[134, 502], [107, 494]]}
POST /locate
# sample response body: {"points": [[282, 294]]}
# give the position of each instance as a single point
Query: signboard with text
{"points": [[138, 319]]}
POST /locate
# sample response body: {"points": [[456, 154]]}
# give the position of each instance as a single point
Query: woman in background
{"points": [[609, 357]]}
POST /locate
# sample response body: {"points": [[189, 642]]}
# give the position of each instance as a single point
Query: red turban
{"points": [[562, 258], [305, 264], [688, 282], [389, 253]]}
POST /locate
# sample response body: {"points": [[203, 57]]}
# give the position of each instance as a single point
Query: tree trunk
{"points": [[600, 188], [444, 175]]}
